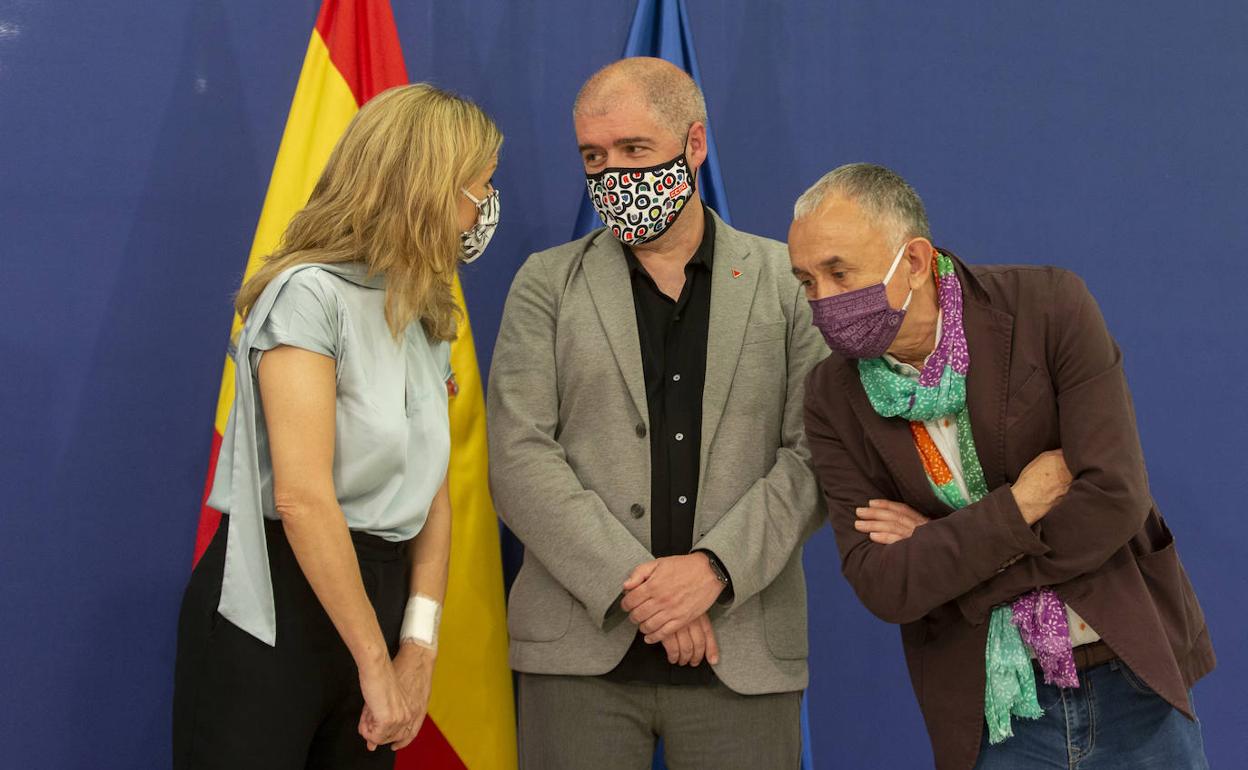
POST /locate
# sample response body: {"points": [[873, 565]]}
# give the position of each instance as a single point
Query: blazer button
{"points": [[641, 430], [638, 510]]}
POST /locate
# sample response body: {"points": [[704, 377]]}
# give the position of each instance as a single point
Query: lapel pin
{"points": [[736, 273]]}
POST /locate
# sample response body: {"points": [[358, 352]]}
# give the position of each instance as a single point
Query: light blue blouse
{"points": [[392, 435]]}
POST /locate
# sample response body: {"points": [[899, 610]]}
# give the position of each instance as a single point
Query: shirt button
{"points": [[682, 499], [680, 437], [638, 510], [675, 378], [641, 430]]}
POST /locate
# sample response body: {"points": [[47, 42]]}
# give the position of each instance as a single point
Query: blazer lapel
{"points": [[734, 279], [611, 288], [989, 336]]}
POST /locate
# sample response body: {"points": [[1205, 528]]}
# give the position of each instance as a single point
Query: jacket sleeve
{"points": [[567, 527], [1109, 499], [757, 536], [903, 581]]}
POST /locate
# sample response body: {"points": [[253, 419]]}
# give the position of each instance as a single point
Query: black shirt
{"points": [[673, 337]]}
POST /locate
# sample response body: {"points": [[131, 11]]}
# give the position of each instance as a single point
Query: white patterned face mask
{"points": [[639, 204], [477, 237]]}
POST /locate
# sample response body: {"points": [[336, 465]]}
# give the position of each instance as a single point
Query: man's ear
{"points": [[695, 145], [919, 256]]}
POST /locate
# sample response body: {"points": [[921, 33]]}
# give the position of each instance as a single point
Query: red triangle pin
{"points": [[736, 273]]}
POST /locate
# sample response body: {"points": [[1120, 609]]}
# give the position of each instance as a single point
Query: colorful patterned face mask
{"points": [[860, 323], [638, 204], [477, 237]]}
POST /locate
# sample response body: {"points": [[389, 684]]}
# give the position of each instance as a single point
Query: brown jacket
{"points": [[1044, 374]]}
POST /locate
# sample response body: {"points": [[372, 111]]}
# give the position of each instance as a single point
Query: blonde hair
{"points": [[389, 198]]}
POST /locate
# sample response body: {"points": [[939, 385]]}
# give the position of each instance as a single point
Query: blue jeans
{"points": [[1112, 720]]}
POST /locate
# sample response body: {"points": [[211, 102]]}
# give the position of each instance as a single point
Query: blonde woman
{"points": [[308, 632]]}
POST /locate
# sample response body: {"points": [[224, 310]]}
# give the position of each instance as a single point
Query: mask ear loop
{"points": [[893, 269], [489, 207], [486, 207], [684, 154]]}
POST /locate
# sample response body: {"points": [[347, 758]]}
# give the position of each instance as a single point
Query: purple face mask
{"points": [[861, 323]]}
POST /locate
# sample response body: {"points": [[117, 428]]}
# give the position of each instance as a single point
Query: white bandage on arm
{"points": [[420, 622]]}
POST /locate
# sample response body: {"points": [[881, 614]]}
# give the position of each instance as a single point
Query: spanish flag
{"points": [[353, 55]]}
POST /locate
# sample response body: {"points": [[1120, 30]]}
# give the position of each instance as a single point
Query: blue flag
{"points": [[661, 29]]}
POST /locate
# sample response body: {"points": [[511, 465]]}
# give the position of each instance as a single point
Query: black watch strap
{"points": [[721, 574], [717, 567]]}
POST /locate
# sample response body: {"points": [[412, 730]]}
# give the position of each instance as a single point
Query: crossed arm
{"points": [[1092, 495]]}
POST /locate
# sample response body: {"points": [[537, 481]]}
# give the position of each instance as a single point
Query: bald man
{"points": [[646, 445]]}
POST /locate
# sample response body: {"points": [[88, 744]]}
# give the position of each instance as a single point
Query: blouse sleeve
{"points": [[306, 314], [443, 354]]}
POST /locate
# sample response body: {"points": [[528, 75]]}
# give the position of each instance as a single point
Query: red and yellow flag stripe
{"points": [[353, 55]]}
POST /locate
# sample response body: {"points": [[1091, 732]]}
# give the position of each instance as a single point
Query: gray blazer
{"points": [[570, 457]]}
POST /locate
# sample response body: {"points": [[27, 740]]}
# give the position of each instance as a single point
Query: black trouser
{"points": [[239, 703]]}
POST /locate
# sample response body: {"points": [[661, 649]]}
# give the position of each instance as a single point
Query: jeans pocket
{"points": [[1134, 681], [1047, 695]]}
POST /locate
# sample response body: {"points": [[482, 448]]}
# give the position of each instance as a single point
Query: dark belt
{"points": [[1090, 656]]}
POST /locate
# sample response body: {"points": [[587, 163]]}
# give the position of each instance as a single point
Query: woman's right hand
{"points": [[1042, 483], [387, 716]]}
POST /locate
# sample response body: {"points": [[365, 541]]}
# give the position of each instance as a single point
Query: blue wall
{"points": [[136, 141]]}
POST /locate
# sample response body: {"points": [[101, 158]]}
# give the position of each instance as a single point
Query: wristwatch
{"points": [[721, 574]]}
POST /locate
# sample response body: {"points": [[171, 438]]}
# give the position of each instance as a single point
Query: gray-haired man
{"points": [[646, 446], [983, 474]]}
